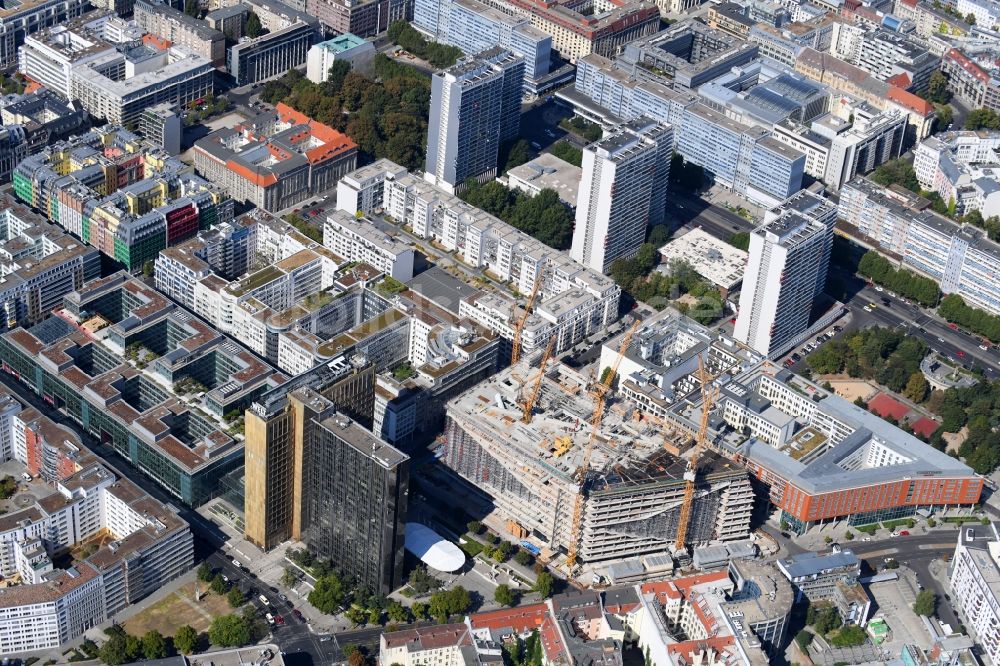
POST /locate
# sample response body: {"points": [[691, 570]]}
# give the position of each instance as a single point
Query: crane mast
{"points": [[529, 404], [515, 353], [708, 395]]}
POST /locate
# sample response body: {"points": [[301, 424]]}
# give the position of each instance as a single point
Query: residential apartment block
{"points": [[789, 256], [44, 117], [475, 27], [975, 583], [745, 159], [275, 159], [962, 167], [479, 103], [573, 301], [621, 192], [119, 195], [359, 240], [75, 500], [959, 257], [179, 28], [39, 264], [973, 76]]}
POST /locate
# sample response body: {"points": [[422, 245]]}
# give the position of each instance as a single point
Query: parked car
{"points": [[953, 326]]}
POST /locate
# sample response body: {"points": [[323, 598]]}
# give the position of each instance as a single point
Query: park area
{"points": [[178, 609]]}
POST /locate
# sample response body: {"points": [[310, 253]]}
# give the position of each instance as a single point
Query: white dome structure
{"points": [[433, 550]]}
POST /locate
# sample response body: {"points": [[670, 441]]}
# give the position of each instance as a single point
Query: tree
{"points": [[937, 88], [827, 539], [204, 573], [254, 27], [192, 8], [235, 597], [474, 526], [524, 558], [504, 596], [230, 631], [356, 614], [419, 611], [545, 584], [446, 603], [218, 585], [356, 658], [154, 645], [849, 636], [827, 619], [328, 594], [982, 119], [848, 536], [514, 154], [945, 115], [374, 616], [567, 152], [740, 240], [147, 268], [970, 18], [133, 647], [288, 577], [892, 564], [925, 604], [397, 612], [113, 652], [803, 639], [916, 387], [898, 172], [186, 639]]}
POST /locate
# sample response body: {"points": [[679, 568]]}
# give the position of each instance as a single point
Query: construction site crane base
{"points": [[633, 490]]}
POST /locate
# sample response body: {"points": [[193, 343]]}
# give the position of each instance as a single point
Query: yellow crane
{"points": [[708, 395], [529, 404], [600, 397], [515, 353]]}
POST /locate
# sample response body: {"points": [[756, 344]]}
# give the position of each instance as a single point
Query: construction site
{"points": [[571, 468]]}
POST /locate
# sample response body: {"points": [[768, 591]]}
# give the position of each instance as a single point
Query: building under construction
{"points": [[632, 491]]}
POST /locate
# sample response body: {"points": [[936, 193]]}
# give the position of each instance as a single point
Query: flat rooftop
{"points": [[714, 259]]}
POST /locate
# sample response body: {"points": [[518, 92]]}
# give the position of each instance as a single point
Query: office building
{"points": [[789, 256], [356, 51], [715, 260], [113, 80], [364, 19], [301, 436], [896, 58], [963, 168], [13, 149], [480, 107], [730, 18], [159, 386], [22, 19], [161, 126], [119, 195], [959, 257], [621, 192], [745, 159], [820, 458], [987, 12], [632, 493], [573, 301], [975, 584], [163, 20], [40, 264], [255, 59], [277, 159], [830, 578], [688, 54], [547, 172]]}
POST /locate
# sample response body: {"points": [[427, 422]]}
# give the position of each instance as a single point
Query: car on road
{"points": [[904, 533], [270, 618], [283, 597], [264, 600], [953, 326], [325, 639], [960, 354], [297, 613], [225, 578], [984, 347], [867, 539], [278, 620]]}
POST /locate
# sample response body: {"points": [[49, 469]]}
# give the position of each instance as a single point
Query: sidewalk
{"points": [[815, 538]]}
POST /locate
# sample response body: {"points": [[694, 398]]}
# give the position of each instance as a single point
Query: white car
{"points": [[867, 539]]}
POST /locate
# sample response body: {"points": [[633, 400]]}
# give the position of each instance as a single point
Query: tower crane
{"points": [[600, 397], [708, 395], [529, 404], [515, 354]]}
